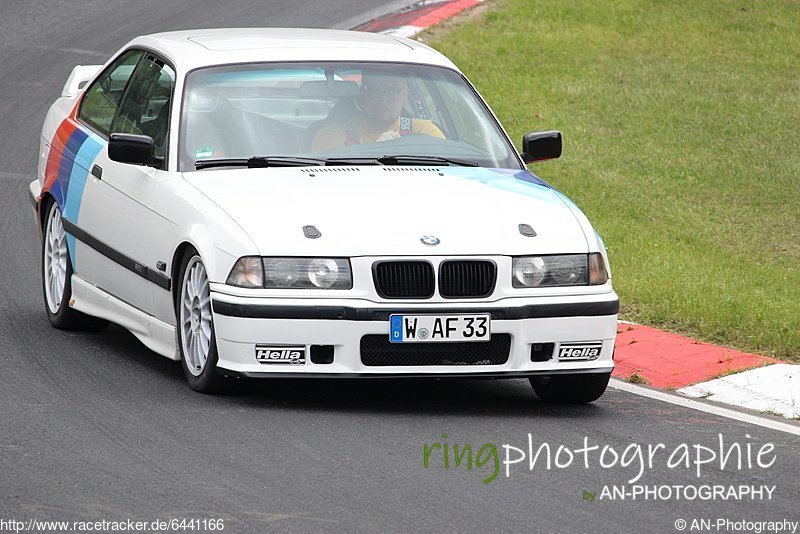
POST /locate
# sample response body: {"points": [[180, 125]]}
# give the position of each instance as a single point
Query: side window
{"points": [[102, 99], [145, 107]]}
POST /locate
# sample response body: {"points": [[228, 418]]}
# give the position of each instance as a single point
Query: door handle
{"points": [[97, 172]]}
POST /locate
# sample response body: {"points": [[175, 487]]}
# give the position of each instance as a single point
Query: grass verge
{"points": [[680, 126]]}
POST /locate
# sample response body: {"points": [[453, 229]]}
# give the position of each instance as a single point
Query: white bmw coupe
{"points": [[317, 203]]}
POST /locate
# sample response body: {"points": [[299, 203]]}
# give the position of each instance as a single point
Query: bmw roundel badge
{"points": [[429, 240]]}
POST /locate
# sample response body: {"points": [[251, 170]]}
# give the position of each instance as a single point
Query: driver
{"points": [[381, 101]]}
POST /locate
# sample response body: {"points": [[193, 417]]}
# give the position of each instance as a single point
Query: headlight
{"points": [[247, 272], [307, 273], [529, 271], [323, 273], [280, 272], [564, 270]]}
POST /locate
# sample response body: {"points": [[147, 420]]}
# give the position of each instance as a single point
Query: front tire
{"points": [[570, 389], [196, 339], [57, 278]]}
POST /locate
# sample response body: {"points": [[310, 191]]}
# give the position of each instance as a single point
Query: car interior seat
{"points": [[344, 109]]}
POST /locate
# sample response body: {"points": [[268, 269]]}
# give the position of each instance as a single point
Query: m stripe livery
{"points": [[72, 153]]}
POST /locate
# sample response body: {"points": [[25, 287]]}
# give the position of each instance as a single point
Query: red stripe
{"points": [[420, 15], [668, 360], [74, 113], [56, 153], [438, 15]]}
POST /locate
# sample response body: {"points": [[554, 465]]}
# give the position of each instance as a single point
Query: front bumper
{"points": [[242, 323]]}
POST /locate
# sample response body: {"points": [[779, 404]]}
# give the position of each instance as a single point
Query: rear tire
{"points": [[57, 277], [196, 339], [570, 389]]}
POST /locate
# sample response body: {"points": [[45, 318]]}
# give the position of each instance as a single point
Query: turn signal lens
{"points": [[247, 272], [598, 274]]}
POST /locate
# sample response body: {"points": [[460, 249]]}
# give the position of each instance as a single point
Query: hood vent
{"points": [[315, 170], [311, 232]]}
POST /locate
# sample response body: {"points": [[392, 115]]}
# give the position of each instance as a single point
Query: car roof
{"points": [[191, 49]]}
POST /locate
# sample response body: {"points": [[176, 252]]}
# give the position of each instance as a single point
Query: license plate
{"points": [[439, 328]]}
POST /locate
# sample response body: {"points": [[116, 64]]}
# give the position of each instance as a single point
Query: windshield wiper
{"points": [[259, 162], [352, 161], [293, 161], [402, 160], [425, 160]]}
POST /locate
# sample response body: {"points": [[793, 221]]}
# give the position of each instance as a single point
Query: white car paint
{"points": [[364, 213], [468, 214]]}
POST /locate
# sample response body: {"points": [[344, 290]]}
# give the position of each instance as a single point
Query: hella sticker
{"points": [[281, 355], [580, 351]]}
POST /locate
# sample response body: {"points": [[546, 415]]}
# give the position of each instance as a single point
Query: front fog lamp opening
{"points": [[247, 272], [307, 273]]}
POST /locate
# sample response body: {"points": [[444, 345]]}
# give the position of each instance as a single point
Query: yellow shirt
{"points": [[336, 135]]}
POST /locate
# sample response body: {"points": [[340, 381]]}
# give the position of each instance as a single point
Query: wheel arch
{"points": [[41, 211], [217, 262], [207, 380], [175, 268]]}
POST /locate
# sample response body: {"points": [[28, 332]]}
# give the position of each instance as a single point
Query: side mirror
{"points": [[131, 148], [539, 146]]}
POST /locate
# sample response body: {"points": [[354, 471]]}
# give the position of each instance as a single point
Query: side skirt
{"points": [[156, 335]]}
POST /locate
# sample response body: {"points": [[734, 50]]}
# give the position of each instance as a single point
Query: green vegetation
{"points": [[681, 143], [636, 378], [736, 370]]}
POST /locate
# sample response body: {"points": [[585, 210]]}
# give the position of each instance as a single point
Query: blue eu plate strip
{"points": [[396, 328]]}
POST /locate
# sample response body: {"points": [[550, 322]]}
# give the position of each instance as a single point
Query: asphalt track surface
{"points": [[95, 426]]}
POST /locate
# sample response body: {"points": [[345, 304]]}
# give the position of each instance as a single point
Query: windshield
{"points": [[325, 111]]}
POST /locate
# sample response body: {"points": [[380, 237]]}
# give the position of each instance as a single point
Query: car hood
{"points": [[375, 210]]}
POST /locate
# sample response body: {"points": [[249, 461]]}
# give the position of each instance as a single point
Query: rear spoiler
{"points": [[78, 79]]}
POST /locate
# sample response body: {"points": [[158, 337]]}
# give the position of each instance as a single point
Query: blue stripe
{"points": [[522, 182], [65, 168], [79, 154], [77, 179]]}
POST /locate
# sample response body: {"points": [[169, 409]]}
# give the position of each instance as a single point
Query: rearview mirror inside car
{"points": [[328, 89], [540, 146]]}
